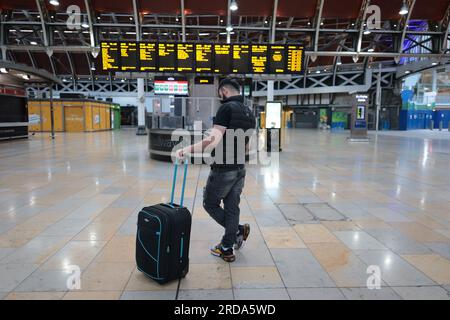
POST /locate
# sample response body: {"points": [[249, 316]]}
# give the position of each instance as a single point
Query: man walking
{"points": [[227, 176]]}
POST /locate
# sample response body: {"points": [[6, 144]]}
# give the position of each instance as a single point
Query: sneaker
{"points": [[226, 254], [242, 236]]}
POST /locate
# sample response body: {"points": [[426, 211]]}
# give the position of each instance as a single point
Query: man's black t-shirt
{"points": [[233, 115]]}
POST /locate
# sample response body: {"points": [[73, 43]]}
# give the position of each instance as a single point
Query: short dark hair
{"points": [[229, 82]]}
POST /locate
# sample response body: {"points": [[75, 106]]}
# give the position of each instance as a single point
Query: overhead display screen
{"points": [[259, 58], [203, 58], [128, 56], [171, 87], [277, 59], [186, 57], [222, 58], [167, 57], [110, 56], [294, 59], [147, 56], [211, 58], [241, 58]]}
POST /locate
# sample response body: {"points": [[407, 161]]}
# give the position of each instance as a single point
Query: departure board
{"points": [[294, 59], [110, 56], [203, 57], [259, 58], [222, 58], [167, 57], [147, 56], [186, 57], [128, 56], [241, 58], [277, 59]]}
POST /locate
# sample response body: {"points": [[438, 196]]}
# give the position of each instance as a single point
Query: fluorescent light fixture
{"points": [[204, 34], [404, 9], [367, 31], [338, 63], [229, 28], [233, 5], [54, 2], [371, 50], [3, 70], [33, 43], [26, 77], [434, 64], [407, 72]]}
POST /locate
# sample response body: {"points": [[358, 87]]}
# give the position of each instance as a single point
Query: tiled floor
{"points": [[319, 218]]}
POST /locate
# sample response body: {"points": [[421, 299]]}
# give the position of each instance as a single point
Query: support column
{"points": [[141, 108], [378, 101], [270, 90], [434, 87]]}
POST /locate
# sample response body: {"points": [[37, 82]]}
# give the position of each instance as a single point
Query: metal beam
{"points": [[360, 23], [183, 22], [307, 53], [318, 21], [228, 21], [43, 16], [405, 26], [137, 20], [274, 22], [445, 24], [88, 5]]}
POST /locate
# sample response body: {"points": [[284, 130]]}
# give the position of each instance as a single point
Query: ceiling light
{"points": [[367, 31], [318, 71], [338, 63], [176, 19], [33, 43], [26, 77], [407, 72], [93, 67], [404, 9], [54, 2], [122, 80], [434, 64], [229, 28], [221, 20], [233, 5], [3, 70], [371, 50], [204, 34], [131, 18]]}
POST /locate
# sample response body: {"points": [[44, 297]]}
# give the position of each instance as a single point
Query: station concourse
{"points": [[350, 98]]}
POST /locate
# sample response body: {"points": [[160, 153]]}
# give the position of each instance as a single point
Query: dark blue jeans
{"points": [[225, 186]]}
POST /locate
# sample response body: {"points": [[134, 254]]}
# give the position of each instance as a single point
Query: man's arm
{"points": [[212, 139]]}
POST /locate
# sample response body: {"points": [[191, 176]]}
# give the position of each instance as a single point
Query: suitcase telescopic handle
{"points": [[175, 171]]}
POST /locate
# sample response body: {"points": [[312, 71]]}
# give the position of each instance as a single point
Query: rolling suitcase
{"points": [[162, 238]]}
